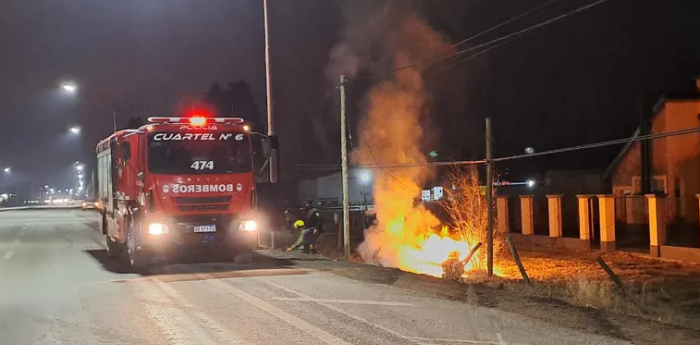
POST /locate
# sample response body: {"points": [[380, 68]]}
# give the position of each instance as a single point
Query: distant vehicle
{"points": [[90, 205], [178, 183]]}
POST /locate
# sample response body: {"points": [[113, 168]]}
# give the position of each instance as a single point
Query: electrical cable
{"points": [[500, 39]]}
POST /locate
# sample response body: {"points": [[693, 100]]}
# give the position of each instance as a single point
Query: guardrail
{"points": [[38, 207]]}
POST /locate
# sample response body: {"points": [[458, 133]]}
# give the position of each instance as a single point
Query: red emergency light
{"points": [[197, 120]]}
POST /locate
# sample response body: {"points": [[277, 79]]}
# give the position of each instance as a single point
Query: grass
{"points": [[660, 290]]}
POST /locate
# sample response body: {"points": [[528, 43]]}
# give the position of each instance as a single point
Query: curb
{"points": [[24, 208]]}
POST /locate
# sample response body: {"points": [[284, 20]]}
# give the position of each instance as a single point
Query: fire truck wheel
{"points": [[137, 260], [113, 248]]}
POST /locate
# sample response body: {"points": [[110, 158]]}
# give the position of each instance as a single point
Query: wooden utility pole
{"points": [[274, 154], [344, 172], [489, 197]]}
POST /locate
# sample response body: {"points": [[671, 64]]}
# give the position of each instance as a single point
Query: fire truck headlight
{"points": [[157, 229], [248, 225]]}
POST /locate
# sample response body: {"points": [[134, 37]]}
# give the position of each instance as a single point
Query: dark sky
{"points": [[572, 82]]}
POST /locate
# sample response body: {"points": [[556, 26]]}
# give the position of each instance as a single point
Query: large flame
{"points": [[407, 235]]}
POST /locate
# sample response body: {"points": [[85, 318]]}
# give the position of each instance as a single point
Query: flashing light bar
{"points": [[197, 121]]}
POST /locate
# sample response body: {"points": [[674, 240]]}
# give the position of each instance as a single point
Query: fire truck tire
{"points": [[137, 260]]}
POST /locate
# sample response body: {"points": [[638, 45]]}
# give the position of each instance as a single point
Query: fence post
{"points": [[698, 196], [657, 224], [584, 217], [554, 212], [606, 205], [502, 214], [526, 215]]}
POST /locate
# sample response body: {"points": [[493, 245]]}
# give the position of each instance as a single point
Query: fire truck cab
{"points": [[178, 184]]}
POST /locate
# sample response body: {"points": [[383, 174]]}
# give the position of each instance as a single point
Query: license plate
{"points": [[205, 228]]}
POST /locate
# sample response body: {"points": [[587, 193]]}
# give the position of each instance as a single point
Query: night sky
{"points": [[572, 82]]}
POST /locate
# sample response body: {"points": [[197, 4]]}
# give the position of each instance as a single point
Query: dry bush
{"points": [[465, 203]]}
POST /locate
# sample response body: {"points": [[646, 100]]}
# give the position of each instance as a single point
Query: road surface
{"points": [[58, 287]]}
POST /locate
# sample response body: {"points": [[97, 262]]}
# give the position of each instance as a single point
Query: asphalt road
{"points": [[58, 287]]}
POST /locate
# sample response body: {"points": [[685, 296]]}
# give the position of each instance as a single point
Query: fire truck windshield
{"points": [[199, 153]]}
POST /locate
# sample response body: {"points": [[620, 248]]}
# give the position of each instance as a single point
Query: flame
{"points": [[407, 235]]}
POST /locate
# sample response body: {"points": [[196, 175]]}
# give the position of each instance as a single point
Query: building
{"points": [[672, 163], [328, 190]]}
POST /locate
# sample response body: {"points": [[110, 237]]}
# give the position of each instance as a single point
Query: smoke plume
{"points": [[395, 43]]}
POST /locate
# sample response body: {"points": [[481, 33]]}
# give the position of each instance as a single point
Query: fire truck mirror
{"points": [[266, 147], [140, 176]]}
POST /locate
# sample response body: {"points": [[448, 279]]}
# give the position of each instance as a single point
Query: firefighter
{"points": [[313, 223]]}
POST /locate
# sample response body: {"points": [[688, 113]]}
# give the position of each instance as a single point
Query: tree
{"points": [[135, 122], [235, 100]]}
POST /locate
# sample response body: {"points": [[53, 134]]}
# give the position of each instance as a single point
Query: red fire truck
{"points": [[178, 184]]}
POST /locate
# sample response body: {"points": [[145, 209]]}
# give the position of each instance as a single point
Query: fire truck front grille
{"points": [[203, 200], [187, 208]]}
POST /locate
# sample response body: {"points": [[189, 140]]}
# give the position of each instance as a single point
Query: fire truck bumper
{"points": [[171, 244]]}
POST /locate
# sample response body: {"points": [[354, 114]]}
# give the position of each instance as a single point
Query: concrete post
{"points": [[502, 214], [526, 214], [606, 204], [657, 224], [698, 195], [554, 208], [584, 217]]}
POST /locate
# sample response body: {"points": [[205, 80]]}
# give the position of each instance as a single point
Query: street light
{"points": [[79, 167], [75, 130], [69, 87], [72, 88], [365, 176], [7, 170]]}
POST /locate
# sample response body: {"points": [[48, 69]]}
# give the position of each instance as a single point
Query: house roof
{"points": [[660, 104]]}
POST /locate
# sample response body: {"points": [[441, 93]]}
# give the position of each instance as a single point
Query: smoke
{"points": [[393, 131]]}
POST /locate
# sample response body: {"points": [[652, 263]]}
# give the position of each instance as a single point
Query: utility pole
{"points": [[344, 170], [274, 152], [489, 196], [114, 116]]}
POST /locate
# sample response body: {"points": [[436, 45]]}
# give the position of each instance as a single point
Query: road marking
{"points": [[274, 311], [180, 327], [454, 341], [345, 301], [8, 255], [417, 340], [338, 310]]}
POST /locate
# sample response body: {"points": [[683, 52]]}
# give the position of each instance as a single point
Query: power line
{"points": [[431, 61], [524, 14], [602, 144], [507, 37], [453, 64], [531, 28], [383, 169]]}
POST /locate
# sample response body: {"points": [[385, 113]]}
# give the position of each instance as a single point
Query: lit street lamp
{"points": [[72, 88], [7, 170], [69, 87], [79, 167], [75, 130]]}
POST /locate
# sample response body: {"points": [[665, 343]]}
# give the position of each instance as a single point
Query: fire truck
{"points": [[178, 184]]}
